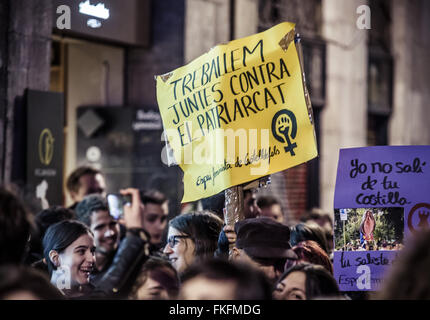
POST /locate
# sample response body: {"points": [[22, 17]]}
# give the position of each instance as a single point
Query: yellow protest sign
{"points": [[237, 113]]}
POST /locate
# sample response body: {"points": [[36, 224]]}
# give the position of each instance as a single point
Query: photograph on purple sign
{"points": [[369, 229]]}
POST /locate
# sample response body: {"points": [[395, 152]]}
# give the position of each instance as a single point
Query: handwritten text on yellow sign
{"points": [[248, 91]]}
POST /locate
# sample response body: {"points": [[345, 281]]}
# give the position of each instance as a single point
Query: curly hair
{"points": [[90, 204]]}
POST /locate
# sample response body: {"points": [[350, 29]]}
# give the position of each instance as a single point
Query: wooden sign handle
{"points": [[233, 207]]}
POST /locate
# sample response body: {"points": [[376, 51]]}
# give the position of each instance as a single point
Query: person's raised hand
{"points": [[230, 234], [133, 213]]}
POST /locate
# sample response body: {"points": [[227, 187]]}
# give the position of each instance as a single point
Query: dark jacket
{"points": [[222, 252], [116, 280], [41, 266], [73, 206]]}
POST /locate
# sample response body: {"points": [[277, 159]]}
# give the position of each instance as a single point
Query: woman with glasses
{"points": [[192, 237]]}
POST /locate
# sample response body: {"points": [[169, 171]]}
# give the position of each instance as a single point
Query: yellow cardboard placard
{"points": [[237, 113]]}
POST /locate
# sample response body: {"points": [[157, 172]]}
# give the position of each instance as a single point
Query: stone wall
{"points": [[25, 38]]}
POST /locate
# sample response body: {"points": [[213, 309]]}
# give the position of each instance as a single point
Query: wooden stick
{"points": [[233, 207]]}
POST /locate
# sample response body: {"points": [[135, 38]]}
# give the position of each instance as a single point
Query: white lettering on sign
{"points": [[137, 126], [64, 20], [63, 277], [363, 281], [94, 23], [363, 21], [45, 172], [149, 115], [147, 121], [98, 11]]}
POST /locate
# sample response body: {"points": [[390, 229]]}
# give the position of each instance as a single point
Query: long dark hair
{"points": [[319, 282], [203, 227], [59, 236]]}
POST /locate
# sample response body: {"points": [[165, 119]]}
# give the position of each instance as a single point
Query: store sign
{"points": [[94, 23], [122, 22], [45, 146], [147, 120], [98, 11]]}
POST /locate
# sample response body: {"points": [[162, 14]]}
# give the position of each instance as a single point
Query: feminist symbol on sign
{"points": [[423, 215], [284, 125]]}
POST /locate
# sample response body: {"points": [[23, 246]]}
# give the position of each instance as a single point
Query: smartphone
{"points": [[116, 204]]}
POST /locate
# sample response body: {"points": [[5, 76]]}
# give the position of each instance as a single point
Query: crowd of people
{"points": [[373, 245], [84, 252]]}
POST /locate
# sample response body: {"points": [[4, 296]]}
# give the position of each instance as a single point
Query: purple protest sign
{"points": [[381, 197], [362, 270]]}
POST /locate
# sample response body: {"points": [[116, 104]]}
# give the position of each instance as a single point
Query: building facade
{"points": [[367, 86]]}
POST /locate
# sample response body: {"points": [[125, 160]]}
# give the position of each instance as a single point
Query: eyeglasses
{"points": [[173, 240]]}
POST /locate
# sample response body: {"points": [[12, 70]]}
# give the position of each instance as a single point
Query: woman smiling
{"points": [[69, 253], [192, 236]]}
